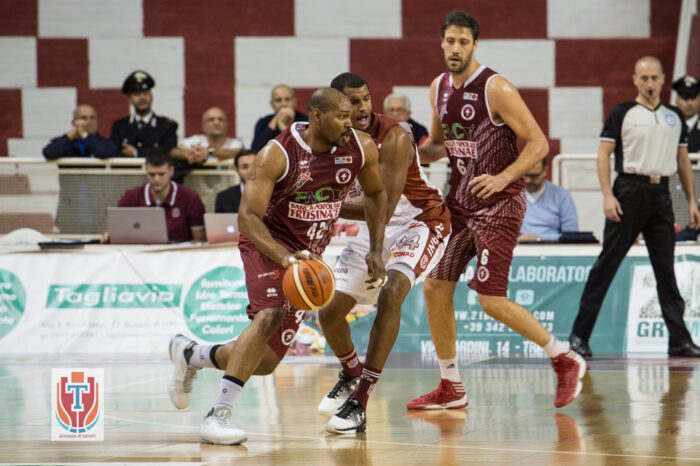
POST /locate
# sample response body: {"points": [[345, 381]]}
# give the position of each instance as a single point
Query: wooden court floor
{"points": [[634, 411]]}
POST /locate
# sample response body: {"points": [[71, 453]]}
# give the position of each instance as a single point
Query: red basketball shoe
{"points": [[448, 395], [570, 368]]}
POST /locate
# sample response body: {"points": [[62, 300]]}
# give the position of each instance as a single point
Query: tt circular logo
{"points": [[468, 112], [343, 176], [482, 274], [288, 336]]}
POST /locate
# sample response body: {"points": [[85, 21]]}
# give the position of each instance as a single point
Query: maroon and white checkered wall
{"points": [[572, 60]]}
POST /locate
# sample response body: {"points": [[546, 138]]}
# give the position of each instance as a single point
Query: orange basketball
{"points": [[308, 284]]}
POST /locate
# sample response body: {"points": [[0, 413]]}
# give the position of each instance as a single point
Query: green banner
{"points": [[114, 296], [548, 286]]}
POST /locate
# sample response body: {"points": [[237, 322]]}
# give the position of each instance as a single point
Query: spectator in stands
{"points": [[283, 101], [214, 143], [142, 129], [82, 140], [688, 100], [229, 199], [398, 106], [184, 210], [550, 208]]}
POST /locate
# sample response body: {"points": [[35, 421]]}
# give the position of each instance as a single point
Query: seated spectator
{"points": [[228, 200], [398, 106], [214, 143], [550, 208], [184, 210], [283, 102], [82, 140], [142, 129]]}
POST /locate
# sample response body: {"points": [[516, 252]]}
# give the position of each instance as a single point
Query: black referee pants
{"points": [[647, 209]]}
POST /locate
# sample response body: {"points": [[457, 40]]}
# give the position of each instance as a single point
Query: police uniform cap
{"points": [[138, 81], [687, 87]]}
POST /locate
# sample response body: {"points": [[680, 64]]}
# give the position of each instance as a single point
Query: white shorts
{"points": [[412, 248]]}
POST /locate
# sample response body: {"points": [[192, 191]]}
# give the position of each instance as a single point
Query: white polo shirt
{"points": [[646, 141]]}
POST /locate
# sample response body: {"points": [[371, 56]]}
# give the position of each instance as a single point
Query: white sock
{"points": [[228, 392], [201, 356], [449, 370], [554, 348]]}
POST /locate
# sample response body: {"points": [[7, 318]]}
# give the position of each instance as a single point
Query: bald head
{"points": [[282, 96], [648, 78], [327, 99], [648, 63], [85, 117]]}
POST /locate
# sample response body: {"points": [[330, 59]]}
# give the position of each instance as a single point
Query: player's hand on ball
{"points": [[376, 271], [295, 256]]}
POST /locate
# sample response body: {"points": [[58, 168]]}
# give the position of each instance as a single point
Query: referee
{"points": [[650, 143]]}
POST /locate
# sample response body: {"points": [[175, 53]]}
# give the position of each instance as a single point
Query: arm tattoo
{"points": [[257, 163]]}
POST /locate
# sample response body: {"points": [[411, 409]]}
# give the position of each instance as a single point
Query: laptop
{"points": [[136, 225], [221, 228]]}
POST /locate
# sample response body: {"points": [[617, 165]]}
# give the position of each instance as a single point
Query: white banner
{"points": [[646, 330]]}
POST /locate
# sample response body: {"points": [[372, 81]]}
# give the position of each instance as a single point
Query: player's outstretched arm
{"points": [[507, 105], [269, 165], [433, 148], [375, 206]]}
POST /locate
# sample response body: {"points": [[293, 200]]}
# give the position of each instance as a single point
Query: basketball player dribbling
{"points": [[416, 235], [477, 116], [291, 201]]}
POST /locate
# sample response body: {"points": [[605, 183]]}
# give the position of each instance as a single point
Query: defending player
{"points": [[293, 197], [416, 235], [477, 115]]}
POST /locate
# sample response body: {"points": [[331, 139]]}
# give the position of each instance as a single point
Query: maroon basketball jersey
{"points": [[307, 198], [417, 191], [475, 143]]}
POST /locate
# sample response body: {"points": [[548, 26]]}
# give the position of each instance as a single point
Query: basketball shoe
{"points": [[338, 395], [349, 420], [448, 395], [570, 368], [180, 388], [217, 427]]}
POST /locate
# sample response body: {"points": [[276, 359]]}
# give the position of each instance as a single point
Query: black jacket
{"points": [[263, 133], [228, 200], [92, 145], [159, 132]]}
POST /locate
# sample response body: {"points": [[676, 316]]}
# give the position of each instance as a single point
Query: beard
{"points": [[463, 66]]}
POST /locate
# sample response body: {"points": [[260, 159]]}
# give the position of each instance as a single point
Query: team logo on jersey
{"points": [[424, 262], [288, 336], [470, 96], [271, 293], [303, 178], [343, 176], [670, 119], [468, 112], [175, 212], [343, 160], [482, 274]]}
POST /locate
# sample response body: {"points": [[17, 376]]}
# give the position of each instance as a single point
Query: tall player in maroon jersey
{"points": [[416, 235], [291, 201], [477, 115]]}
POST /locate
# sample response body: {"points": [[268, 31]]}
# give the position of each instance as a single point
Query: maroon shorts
{"points": [[263, 279], [488, 236]]}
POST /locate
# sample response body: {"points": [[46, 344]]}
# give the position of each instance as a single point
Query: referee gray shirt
{"points": [[646, 140]]}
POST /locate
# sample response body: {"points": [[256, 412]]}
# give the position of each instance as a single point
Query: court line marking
{"points": [[405, 444]]}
